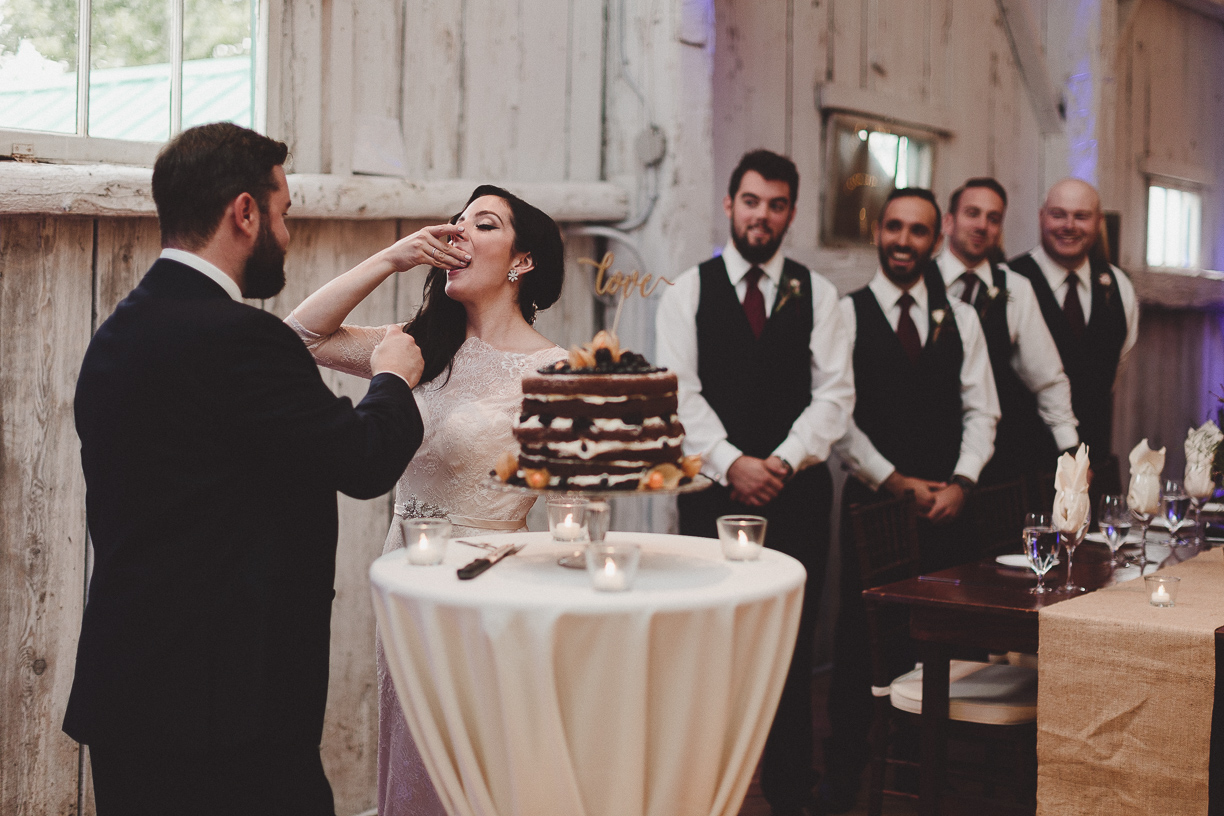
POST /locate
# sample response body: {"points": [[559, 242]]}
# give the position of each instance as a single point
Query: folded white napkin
{"points": [[1071, 504], [1200, 451], [1146, 464]]}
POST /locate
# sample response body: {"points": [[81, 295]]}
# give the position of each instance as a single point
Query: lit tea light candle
{"points": [[742, 537], [1161, 597], [568, 530], [425, 540], [610, 578]]}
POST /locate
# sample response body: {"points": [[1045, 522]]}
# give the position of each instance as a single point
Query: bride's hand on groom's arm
{"points": [[397, 353], [429, 246]]}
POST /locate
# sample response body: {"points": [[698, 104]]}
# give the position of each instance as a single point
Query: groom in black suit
{"points": [[212, 452]]}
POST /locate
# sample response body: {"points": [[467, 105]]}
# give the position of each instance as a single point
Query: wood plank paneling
{"points": [[432, 79], [318, 251], [127, 247], [45, 307]]}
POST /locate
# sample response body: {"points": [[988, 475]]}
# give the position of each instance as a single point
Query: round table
{"points": [[528, 692]]}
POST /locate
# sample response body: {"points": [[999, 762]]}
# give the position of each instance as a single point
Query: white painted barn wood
{"points": [[584, 91], [126, 248], [45, 308], [318, 251], [338, 88], [299, 122], [809, 67], [432, 108]]}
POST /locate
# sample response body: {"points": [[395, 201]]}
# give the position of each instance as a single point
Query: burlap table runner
{"points": [[1125, 696]]}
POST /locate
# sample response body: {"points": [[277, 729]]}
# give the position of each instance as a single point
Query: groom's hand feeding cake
{"points": [[602, 420]]}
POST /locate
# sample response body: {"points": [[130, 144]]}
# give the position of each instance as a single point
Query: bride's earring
{"points": [[513, 275]]}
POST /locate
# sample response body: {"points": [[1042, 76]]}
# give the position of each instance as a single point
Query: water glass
{"points": [[742, 537], [425, 539], [1041, 545], [1175, 507], [1201, 488], [1114, 519]]}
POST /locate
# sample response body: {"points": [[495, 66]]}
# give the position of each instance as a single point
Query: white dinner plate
{"points": [[1016, 560]]}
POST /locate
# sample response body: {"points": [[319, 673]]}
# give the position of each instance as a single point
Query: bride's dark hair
{"points": [[440, 325]]}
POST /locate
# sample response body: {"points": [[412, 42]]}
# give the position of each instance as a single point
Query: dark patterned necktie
{"points": [[1073, 310], [754, 301], [907, 331], [970, 280]]}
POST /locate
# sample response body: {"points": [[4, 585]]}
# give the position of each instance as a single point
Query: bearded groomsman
{"points": [[764, 393], [1034, 393], [924, 422], [1088, 305]]}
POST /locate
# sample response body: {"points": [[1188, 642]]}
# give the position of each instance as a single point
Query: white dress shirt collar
{"points": [[952, 267], [205, 268], [737, 267], [888, 293], [1056, 274]]}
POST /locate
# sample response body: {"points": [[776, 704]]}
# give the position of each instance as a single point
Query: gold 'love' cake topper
{"points": [[620, 282]]}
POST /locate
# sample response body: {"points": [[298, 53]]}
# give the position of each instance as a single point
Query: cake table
{"points": [[528, 692]]}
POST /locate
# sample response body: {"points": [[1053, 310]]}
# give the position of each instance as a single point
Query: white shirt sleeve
{"points": [[1036, 361], [979, 399], [676, 348], [826, 418], [860, 457], [1130, 307]]}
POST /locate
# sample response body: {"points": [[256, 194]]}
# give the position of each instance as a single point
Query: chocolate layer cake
{"points": [[591, 430]]}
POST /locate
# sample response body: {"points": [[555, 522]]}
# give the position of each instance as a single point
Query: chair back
{"points": [[995, 517], [886, 539]]}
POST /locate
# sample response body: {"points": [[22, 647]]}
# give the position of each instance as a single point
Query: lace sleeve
{"points": [[347, 350]]}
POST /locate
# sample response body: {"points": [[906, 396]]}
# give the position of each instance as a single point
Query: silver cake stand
{"points": [[597, 525]]}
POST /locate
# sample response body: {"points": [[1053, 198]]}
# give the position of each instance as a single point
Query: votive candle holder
{"points": [[612, 567], [425, 539], [742, 537], [1162, 589]]}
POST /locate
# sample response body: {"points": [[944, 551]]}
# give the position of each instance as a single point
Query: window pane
{"points": [[1174, 228], [38, 63], [218, 62], [129, 70]]}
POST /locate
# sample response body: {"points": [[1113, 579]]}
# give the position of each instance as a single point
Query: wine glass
{"points": [[1069, 542], [1115, 521], [1200, 487], [1144, 500], [1174, 506], [1040, 547]]}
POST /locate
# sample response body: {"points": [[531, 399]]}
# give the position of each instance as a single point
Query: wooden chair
{"points": [[987, 701], [995, 517]]}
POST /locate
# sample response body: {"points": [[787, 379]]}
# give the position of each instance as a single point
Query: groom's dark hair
{"points": [[200, 171]]}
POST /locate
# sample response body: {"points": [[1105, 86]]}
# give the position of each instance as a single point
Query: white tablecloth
{"points": [[530, 694]]}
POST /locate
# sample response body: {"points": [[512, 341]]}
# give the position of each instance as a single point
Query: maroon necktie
{"points": [[754, 301], [907, 332], [970, 280], [1072, 309]]}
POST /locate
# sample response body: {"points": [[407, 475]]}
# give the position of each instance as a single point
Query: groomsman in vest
{"points": [[1034, 393], [763, 359], [1089, 306], [924, 422]]}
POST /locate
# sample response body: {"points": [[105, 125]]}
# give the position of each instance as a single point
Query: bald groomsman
{"points": [[1088, 305], [1034, 393], [924, 422]]}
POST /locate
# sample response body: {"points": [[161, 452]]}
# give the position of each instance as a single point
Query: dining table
{"points": [[987, 605], [527, 691]]}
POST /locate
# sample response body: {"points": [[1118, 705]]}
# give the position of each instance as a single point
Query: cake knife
{"points": [[479, 565]]}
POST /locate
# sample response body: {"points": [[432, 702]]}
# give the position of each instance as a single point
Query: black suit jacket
{"points": [[212, 452]]}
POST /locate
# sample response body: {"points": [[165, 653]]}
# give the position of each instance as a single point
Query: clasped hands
{"points": [[938, 502], [756, 482]]}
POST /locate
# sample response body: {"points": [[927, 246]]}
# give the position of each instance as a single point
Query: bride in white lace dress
{"points": [[497, 263]]}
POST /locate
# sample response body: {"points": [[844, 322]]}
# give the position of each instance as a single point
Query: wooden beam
{"points": [[1030, 58], [113, 190]]}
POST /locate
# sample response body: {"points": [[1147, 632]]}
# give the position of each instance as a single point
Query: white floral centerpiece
{"points": [[1202, 448]]}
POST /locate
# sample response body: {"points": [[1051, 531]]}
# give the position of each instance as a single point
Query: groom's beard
{"points": [[263, 275]]}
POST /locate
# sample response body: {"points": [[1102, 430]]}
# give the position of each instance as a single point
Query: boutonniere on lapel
{"points": [[937, 317], [791, 288], [993, 295], [1106, 283]]}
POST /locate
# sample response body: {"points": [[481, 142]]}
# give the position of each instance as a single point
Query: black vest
{"points": [[1091, 361], [1023, 442], [758, 387], [911, 413]]}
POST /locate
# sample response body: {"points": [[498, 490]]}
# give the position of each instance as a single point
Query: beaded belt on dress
{"points": [[415, 508]]}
